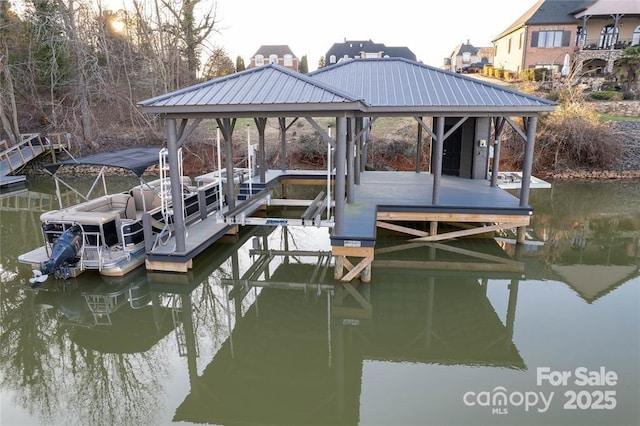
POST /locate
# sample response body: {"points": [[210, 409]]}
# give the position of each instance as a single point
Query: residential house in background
{"points": [[593, 33], [467, 58], [279, 54], [365, 49], [605, 29]]}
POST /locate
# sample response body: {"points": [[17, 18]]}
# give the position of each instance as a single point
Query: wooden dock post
{"points": [[360, 270], [338, 271]]}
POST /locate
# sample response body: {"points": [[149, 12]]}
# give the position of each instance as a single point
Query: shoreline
{"points": [[601, 175], [589, 175], [627, 167]]}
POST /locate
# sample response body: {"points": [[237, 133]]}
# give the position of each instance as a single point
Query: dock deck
{"points": [[391, 196], [406, 196]]}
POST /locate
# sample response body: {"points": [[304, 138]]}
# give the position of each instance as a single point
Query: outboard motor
{"points": [[64, 253]]}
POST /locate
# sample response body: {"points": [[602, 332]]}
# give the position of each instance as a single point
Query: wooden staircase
{"points": [[32, 145]]}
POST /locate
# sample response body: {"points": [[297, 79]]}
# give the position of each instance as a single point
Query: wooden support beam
{"points": [[352, 251], [365, 255], [400, 247], [464, 233], [449, 266], [233, 231], [346, 263], [353, 273], [471, 253], [300, 181], [169, 266], [356, 295], [463, 225], [520, 220], [401, 229]]}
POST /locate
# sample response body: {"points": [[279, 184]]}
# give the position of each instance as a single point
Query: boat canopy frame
{"points": [[136, 160]]}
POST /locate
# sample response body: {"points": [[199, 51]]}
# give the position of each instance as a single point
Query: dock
{"points": [[9, 181], [513, 180], [33, 145], [394, 201], [463, 121]]}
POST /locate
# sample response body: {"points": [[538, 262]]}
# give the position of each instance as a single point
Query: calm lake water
{"points": [[464, 333]]}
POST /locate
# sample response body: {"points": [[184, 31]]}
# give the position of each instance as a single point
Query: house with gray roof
{"points": [[592, 33], [350, 49], [466, 56], [279, 54]]}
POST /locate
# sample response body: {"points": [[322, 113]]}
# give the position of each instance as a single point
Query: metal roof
{"points": [[363, 87], [399, 85], [269, 88]]}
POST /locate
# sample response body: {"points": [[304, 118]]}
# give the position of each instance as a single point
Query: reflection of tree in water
{"points": [[214, 315], [29, 352], [210, 310], [61, 382]]}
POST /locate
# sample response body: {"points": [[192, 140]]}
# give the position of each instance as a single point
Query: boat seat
{"points": [[120, 204], [83, 218], [123, 204], [151, 198], [150, 192]]}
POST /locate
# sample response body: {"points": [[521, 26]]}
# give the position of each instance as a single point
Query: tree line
{"points": [[80, 67]]}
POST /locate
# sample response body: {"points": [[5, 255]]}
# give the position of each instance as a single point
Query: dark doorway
{"points": [[452, 149]]}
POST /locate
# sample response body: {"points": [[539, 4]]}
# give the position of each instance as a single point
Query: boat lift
{"points": [[241, 214]]}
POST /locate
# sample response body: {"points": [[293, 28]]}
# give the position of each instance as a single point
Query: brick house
{"points": [[279, 54], [365, 49], [593, 33], [465, 56]]}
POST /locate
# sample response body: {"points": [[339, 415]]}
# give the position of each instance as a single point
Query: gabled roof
{"points": [[364, 87], [353, 48], [547, 12], [268, 88], [274, 49], [610, 7], [400, 85], [591, 282], [462, 48]]}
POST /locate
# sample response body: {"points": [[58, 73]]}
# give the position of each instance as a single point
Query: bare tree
{"points": [[7, 96], [81, 61], [8, 109], [192, 34], [68, 62]]}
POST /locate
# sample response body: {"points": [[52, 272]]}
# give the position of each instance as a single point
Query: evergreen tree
{"points": [[218, 65], [628, 68], [303, 67], [240, 64]]}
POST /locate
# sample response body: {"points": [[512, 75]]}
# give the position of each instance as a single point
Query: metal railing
{"points": [[608, 44], [36, 145], [27, 141]]}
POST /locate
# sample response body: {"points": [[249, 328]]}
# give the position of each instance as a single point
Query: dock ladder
{"points": [[165, 193]]}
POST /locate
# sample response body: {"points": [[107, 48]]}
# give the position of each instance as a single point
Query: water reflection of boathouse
{"points": [[304, 343]]}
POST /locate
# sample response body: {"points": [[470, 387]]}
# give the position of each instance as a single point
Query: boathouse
{"points": [[463, 116]]}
